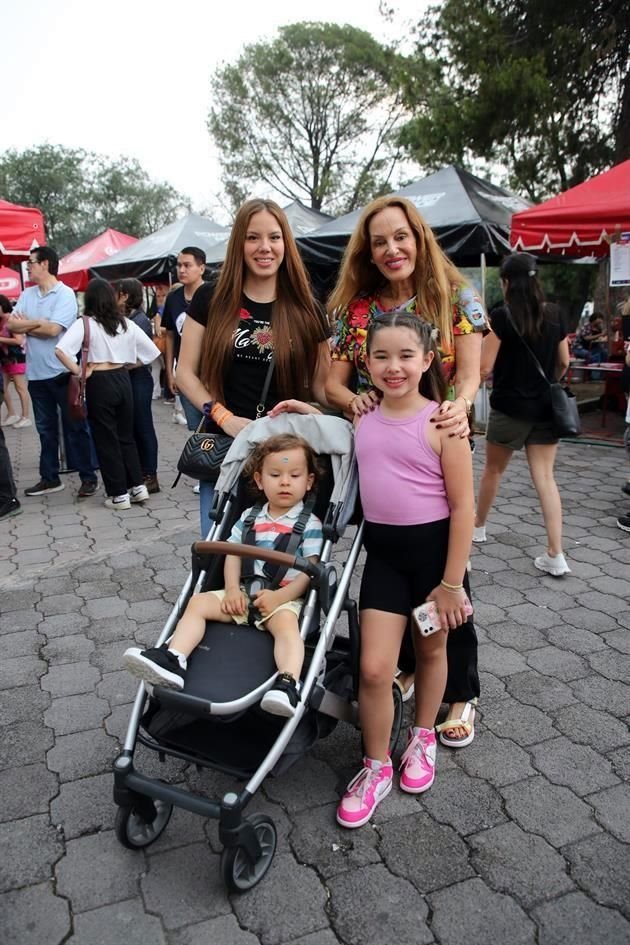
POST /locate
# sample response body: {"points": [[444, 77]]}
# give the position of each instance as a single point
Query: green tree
{"points": [[313, 114], [81, 194], [540, 88]]}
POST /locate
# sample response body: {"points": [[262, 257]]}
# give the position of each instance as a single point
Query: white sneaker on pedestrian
{"points": [[556, 565], [138, 494], [180, 418], [22, 422], [196, 488], [10, 420], [479, 534], [118, 502]]}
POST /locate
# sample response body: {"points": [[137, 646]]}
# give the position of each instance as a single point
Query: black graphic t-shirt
{"points": [[253, 348]]}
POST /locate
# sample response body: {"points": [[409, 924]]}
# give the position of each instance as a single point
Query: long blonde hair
{"points": [[434, 278], [297, 325]]}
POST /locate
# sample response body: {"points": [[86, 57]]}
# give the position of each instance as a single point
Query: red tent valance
{"points": [[580, 221]]}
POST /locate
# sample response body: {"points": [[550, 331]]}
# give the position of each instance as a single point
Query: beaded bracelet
{"points": [[452, 587]]}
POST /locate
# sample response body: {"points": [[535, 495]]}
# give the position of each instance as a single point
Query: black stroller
{"points": [[216, 721]]}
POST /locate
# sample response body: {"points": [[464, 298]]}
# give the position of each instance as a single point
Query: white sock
{"points": [[181, 659]]}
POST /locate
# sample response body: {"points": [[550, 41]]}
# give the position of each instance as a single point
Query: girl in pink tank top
{"points": [[416, 486]]}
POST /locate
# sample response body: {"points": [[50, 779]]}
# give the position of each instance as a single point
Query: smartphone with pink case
{"points": [[427, 619]]}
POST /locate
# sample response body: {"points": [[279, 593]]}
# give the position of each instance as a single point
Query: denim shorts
{"points": [[514, 433]]}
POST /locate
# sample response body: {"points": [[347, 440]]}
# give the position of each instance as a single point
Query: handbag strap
{"points": [[85, 344], [533, 356], [260, 409]]}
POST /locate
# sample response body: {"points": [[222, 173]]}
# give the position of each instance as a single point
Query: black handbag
{"points": [[565, 415], [204, 453]]}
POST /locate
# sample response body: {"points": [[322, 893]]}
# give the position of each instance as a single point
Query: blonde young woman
{"points": [[260, 307], [393, 263]]}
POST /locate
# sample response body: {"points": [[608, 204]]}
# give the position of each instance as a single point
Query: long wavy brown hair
{"points": [[296, 322], [435, 276]]}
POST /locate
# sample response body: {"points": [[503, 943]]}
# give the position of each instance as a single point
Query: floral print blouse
{"points": [[350, 335]]}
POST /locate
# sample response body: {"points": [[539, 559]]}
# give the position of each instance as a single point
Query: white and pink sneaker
{"points": [[365, 792], [418, 761]]}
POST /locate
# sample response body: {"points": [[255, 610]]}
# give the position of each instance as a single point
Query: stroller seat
{"points": [[230, 662]]}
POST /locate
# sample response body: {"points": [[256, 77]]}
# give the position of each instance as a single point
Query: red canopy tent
{"points": [[10, 283], [74, 268], [21, 228], [580, 221]]}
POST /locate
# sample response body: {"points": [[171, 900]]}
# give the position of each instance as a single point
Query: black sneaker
{"points": [[44, 486], [157, 666], [623, 522], [10, 508], [88, 487], [626, 488], [282, 698]]}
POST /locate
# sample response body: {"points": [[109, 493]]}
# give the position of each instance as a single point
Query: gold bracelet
{"points": [[452, 587], [467, 403], [350, 403]]}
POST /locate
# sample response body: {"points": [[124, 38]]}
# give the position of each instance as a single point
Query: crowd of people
{"points": [[399, 351]]}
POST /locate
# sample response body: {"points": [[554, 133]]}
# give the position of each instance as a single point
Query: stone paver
{"points": [[522, 839]]}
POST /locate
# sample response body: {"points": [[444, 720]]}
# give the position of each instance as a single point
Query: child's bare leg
{"points": [[431, 672], [288, 646], [19, 381], [192, 626], [381, 636]]}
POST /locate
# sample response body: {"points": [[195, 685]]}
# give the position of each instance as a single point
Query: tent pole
{"points": [[482, 266]]}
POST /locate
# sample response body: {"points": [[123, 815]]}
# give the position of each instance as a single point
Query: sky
{"points": [[132, 77]]}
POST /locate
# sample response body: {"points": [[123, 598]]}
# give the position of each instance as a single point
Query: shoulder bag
{"points": [[77, 407], [204, 453], [564, 409]]}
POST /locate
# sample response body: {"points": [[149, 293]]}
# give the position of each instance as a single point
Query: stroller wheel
{"points": [[398, 717], [238, 872], [134, 832]]}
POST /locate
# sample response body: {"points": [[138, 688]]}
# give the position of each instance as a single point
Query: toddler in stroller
{"points": [[214, 721], [284, 470]]}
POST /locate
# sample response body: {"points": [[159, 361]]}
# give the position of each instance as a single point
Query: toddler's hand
{"points": [[266, 602], [234, 604]]}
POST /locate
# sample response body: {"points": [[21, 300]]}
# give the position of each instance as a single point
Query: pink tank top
{"points": [[400, 475]]}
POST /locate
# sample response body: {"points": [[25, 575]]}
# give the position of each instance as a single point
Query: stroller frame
{"points": [[145, 803]]}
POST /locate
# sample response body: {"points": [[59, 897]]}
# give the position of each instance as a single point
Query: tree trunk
{"points": [[622, 130]]}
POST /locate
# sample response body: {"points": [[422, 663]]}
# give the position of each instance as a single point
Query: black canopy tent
{"points": [[153, 258], [469, 216]]}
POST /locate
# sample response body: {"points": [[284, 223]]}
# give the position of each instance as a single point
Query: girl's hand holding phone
{"points": [[453, 606]]}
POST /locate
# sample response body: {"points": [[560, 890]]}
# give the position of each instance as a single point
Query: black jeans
{"points": [[143, 429], [110, 411], [7, 485]]}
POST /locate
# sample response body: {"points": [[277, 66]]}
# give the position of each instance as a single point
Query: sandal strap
{"points": [[462, 722]]}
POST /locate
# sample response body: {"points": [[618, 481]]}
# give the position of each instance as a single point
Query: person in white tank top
{"points": [[115, 344]]}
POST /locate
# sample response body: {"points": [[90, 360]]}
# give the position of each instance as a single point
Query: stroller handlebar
{"points": [[262, 554]]}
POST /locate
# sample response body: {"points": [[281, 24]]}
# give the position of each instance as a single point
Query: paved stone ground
{"points": [[523, 839]]}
